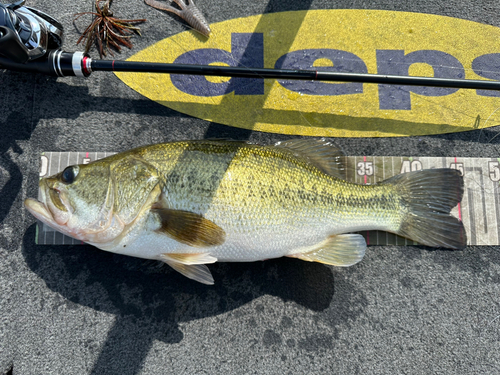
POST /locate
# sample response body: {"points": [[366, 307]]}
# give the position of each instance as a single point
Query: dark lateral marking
{"points": [[472, 218]]}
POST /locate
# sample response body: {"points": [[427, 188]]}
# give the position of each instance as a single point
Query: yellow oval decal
{"points": [[360, 41]]}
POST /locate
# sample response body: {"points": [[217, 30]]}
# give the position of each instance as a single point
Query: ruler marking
{"points": [[56, 159], [365, 179], [486, 208], [77, 161], [383, 168], [63, 238], [387, 235], [472, 218], [459, 205], [396, 237], [355, 169], [58, 170], [497, 216], [383, 178], [41, 232], [483, 196], [375, 181], [49, 174], [364, 161], [497, 204]]}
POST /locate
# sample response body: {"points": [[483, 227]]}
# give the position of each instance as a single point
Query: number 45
{"points": [[458, 166]]}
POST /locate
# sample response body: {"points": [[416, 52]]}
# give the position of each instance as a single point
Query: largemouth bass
{"points": [[192, 203]]}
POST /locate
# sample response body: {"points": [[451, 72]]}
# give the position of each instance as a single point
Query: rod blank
{"points": [[309, 75]]}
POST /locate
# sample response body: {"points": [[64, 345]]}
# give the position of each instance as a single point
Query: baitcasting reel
{"points": [[30, 41], [27, 33]]}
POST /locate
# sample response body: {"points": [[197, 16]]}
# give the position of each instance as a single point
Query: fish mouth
{"points": [[42, 212], [51, 209], [39, 210]]}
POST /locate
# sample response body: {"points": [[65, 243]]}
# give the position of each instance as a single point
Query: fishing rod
{"points": [[31, 40]]}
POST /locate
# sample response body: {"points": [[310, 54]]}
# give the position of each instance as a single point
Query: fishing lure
{"points": [[107, 31], [188, 12]]}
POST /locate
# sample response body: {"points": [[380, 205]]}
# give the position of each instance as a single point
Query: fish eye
{"points": [[69, 174]]}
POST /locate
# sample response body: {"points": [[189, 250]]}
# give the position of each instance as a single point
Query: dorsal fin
{"points": [[322, 153]]}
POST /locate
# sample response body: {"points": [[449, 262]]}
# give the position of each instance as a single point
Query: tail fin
{"points": [[428, 197]]}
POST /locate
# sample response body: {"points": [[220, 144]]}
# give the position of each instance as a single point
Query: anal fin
{"points": [[191, 265], [341, 250]]}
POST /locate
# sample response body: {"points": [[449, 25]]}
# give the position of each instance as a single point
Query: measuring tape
{"points": [[479, 209]]}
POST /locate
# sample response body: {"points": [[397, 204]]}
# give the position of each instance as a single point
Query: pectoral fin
{"points": [[341, 250], [191, 265], [190, 228]]}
